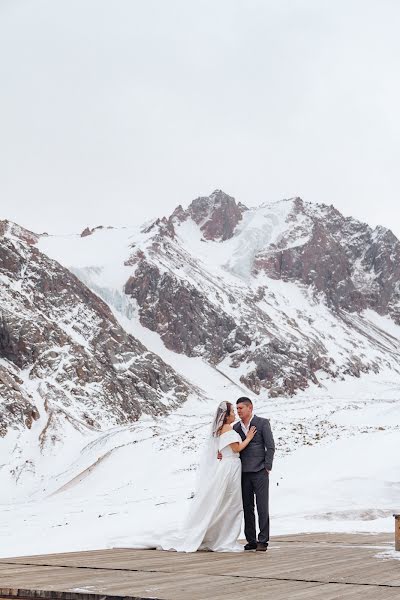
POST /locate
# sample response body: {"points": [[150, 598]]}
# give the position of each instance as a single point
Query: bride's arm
{"points": [[238, 447]]}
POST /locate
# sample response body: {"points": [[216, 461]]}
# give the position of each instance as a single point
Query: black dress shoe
{"points": [[251, 546], [262, 547]]}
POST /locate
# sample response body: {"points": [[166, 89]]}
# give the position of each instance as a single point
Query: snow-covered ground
{"points": [[337, 468]]}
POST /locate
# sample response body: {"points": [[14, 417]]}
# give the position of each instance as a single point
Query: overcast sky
{"points": [[115, 111]]}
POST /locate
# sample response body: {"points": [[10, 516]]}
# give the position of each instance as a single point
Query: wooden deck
{"points": [[298, 567]]}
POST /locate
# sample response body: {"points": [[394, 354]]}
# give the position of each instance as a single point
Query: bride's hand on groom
{"points": [[251, 433], [219, 455]]}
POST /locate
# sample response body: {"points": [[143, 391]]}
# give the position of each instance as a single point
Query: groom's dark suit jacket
{"points": [[259, 454]]}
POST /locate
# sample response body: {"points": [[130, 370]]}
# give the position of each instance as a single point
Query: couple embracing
{"points": [[234, 471]]}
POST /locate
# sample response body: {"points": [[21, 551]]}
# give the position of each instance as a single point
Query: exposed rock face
{"points": [[62, 343], [16, 406], [182, 316], [191, 318], [354, 266], [217, 215]]}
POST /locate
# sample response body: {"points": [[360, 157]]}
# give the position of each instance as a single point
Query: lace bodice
{"points": [[229, 437]]}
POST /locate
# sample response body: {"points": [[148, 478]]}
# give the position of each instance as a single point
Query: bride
{"points": [[215, 518]]}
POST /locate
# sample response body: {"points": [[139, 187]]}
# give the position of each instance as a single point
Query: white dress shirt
{"points": [[243, 426]]}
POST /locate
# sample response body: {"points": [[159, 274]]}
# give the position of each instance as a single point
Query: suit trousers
{"points": [[256, 484]]}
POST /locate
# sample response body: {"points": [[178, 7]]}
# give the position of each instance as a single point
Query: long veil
{"points": [[207, 474], [208, 463], [206, 479]]}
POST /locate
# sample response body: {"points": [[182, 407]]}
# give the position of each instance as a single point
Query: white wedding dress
{"points": [[215, 518]]}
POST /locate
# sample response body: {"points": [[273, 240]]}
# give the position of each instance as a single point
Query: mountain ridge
{"points": [[203, 280], [244, 302], [62, 350]]}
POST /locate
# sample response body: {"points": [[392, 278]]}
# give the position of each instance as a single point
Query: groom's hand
{"points": [[219, 456]]}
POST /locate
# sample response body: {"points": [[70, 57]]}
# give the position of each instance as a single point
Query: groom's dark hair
{"points": [[244, 400]]}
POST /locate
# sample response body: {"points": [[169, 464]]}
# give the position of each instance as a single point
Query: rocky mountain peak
{"points": [[385, 235], [10, 229], [217, 215], [352, 264], [298, 203], [89, 231]]}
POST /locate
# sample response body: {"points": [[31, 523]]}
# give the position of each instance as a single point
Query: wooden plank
{"points": [[300, 567], [214, 562], [336, 538], [168, 586]]}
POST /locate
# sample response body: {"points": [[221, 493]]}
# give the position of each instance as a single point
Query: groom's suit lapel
{"points": [[239, 430]]}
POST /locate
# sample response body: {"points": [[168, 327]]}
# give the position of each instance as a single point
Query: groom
{"points": [[256, 464]]}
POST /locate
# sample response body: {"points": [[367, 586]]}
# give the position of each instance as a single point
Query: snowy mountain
{"points": [[274, 297], [116, 345], [63, 356]]}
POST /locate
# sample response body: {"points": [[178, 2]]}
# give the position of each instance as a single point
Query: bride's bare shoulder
{"points": [[225, 428]]}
